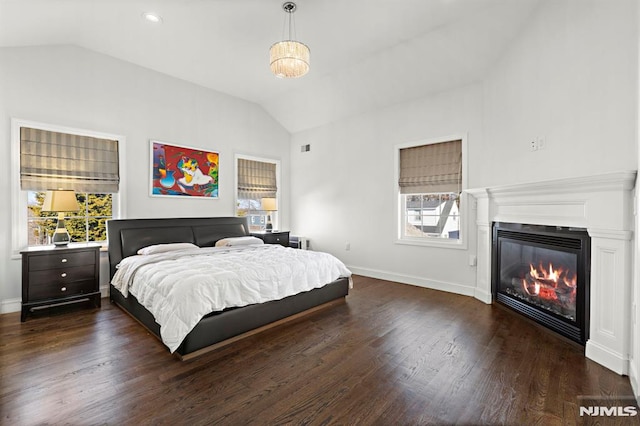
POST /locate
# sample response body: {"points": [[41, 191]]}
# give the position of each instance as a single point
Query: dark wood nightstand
{"points": [[276, 237], [56, 275]]}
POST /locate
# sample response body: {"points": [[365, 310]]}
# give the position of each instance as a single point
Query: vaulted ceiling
{"points": [[365, 54]]}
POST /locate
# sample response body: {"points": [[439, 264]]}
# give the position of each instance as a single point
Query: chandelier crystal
{"points": [[289, 58]]}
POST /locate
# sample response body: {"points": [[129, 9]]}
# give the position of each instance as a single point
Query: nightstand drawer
{"points": [[278, 237], [56, 290], [61, 260], [62, 275]]}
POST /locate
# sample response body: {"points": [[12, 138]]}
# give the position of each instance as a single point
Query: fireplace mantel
{"points": [[603, 205]]}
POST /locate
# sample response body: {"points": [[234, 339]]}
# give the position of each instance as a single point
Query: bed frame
{"points": [[127, 236]]}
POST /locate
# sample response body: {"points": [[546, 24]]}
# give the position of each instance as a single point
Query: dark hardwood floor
{"points": [[393, 354]]}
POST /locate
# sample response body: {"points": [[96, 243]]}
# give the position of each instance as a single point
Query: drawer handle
{"points": [[64, 274], [63, 289], [64, 261]]}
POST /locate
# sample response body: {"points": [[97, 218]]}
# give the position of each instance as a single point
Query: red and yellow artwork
{"points": [[182, 171]]}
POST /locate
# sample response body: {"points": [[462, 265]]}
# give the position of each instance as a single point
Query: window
{"points": [[52, 157], [257, 191], [432, 215], [88, 224], [430, 182]]}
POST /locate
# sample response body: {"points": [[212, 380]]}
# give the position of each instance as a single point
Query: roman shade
{"points": [[53, 160], [431, 168], [256, 179]]}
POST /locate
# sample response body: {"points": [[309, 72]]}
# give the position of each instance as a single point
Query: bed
{"points": [[218, 328]]}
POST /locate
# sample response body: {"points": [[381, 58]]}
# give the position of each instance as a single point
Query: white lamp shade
{"points": [[268, 204], [60, 200]]}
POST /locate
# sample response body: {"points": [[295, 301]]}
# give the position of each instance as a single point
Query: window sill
{"points": [[446, 244]]}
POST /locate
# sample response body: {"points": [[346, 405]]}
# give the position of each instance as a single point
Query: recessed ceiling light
{"points": [[152, 17]]}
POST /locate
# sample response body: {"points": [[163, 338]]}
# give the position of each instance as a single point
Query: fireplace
{"points": [[603, 206], [543, 272]]}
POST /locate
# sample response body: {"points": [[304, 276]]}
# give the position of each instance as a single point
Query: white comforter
{"points": [[181, 287]]}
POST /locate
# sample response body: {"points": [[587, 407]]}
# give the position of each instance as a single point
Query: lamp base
{"points": [[269, 226], [61, 236]]}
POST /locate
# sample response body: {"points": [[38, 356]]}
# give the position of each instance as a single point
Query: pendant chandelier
{"points": [[289, 58]]}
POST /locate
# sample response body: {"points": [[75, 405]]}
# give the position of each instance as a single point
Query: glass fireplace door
{"points": [[546, 278], [543, 273]]}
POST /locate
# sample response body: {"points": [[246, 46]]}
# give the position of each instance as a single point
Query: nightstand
{"points": [[59, 275], [276, 237]]}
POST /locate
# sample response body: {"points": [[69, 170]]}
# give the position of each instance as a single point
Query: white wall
{"points": [[78, 88], [570, 77], [344, 188]]}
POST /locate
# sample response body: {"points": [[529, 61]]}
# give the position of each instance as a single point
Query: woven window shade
{"points": [[431, 168], [256, 179], [52, 160]]}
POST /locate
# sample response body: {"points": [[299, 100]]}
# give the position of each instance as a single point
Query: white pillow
{"points": [[161, 248], [238, 241]]}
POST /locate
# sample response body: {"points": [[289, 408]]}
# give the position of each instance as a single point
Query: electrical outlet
{"points": [[347, 246], [541, 142], [533, 145]]}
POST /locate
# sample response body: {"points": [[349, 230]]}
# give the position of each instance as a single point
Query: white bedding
{"points": [[180, 287]]}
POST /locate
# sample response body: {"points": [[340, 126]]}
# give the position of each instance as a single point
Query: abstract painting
{"points": [[178, 171]]}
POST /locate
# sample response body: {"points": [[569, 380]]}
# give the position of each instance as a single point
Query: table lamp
{"points": [[60, 200], [269, 205]]}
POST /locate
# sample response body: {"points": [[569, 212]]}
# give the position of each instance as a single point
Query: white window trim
{"points": [[19, 237], [460, 243], [276, 223]]}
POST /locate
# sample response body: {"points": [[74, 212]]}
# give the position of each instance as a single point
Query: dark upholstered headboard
{"points": [[127, 236]]}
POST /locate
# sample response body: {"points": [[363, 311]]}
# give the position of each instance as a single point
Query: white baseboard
{"points": [[633, 378], [482, 296], [10, 305], [413, 280], [604, 356]]}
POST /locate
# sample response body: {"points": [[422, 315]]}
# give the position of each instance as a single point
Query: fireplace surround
{"points": [[603, 206]]}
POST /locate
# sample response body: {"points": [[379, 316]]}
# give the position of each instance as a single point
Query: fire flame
{"points": [[549, 282]]}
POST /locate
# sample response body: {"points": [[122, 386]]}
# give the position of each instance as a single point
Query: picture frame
{"points": [[181, 171]]}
